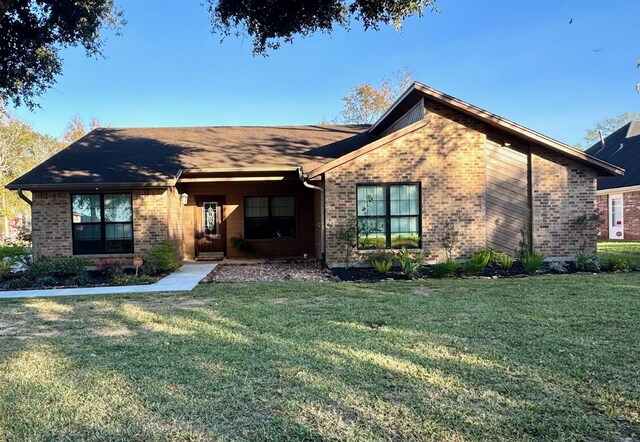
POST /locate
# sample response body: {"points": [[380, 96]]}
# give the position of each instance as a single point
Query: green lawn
{"points": [[542, 358], [620, 251]]}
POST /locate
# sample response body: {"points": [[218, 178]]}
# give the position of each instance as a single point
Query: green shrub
{"points": [[241, 244], [587, 262], [161, 258], [5, 268], [110, 267], [610, 263], [39, 269], [381, 267], [57, 268], [532, 261], [16, 283], [124, 279], [445, 269], [502, 260], [381, 262], [477, 262], [68, 267], [81, 279], [46, 281], [410, 264], [13, 252]]}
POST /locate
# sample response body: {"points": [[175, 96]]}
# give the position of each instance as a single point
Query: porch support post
{"points": [[304, 179]]}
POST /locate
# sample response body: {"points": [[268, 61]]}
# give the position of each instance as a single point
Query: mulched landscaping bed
{"points": [[290, 270], [96, 279], [367, 274], [304, 270]]}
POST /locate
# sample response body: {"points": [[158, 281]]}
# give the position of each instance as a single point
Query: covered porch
{"points": [[248, 213]]}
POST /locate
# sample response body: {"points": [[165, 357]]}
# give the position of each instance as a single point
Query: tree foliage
{"points": [[607, 126], [77, 129], [32, 33], [365, 103], [21, 149], [273, 22]]}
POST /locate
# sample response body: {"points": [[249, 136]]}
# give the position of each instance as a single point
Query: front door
{"points": [[210, 227], [616, 217]]}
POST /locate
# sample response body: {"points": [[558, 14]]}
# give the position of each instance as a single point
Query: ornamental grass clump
{"points": [[409, 263], [502, 260], [445, 269], [477, 262], [532, 261], [381, 262], [587, 262]]}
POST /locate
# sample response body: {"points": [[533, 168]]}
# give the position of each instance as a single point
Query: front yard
{"points": [[552, 357]]}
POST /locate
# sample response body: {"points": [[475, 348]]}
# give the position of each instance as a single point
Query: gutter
{"points": [[24, 197], [304, 178], [87, 186]]}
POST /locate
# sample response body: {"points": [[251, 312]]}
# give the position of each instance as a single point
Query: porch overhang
{"points": [[240, 174]]}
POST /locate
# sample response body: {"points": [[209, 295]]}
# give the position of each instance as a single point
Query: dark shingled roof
{"points": [[621, 148], [144, 156]]}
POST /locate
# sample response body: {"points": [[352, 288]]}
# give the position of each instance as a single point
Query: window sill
{"points": [[105, 255], [368, 251], [270, 239]]}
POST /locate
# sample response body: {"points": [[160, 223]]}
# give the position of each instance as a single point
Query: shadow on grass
{"points": [[466, 360]]}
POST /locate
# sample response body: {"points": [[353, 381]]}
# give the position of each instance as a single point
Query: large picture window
{"points": [[388, 216], [102, 223], [269, 217]]}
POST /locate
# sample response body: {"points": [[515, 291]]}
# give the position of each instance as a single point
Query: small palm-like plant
{"points": [[410, 264]]}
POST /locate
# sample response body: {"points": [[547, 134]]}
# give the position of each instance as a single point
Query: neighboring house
{"points": [[429, 161], [619, 197]]}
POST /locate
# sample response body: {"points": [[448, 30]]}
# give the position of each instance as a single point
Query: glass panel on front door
{"points": [[616, 212], [210, 220]]}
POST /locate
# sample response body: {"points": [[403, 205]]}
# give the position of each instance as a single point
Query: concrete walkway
{"points": [[183, 280]]}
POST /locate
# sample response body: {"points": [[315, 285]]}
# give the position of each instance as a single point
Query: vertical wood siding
{"points": [[416, 113], [507, 197]]}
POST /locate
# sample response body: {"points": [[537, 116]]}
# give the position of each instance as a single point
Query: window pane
{"points": [[86, 208], [87, 238], [118, 231], [256, 206], [256, 228], [404, 199], [371, 201], [283, 227], [210, 218], [117, 207], [371, 233], [616, 212], [282, 206], [120, 246], [405, 232]]}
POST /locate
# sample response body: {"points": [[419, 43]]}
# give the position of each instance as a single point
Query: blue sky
{"points": [[521, 60]]}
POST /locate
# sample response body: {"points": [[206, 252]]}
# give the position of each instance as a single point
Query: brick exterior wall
{"points": [[150, 213], [446, 157], [602, 203], [51, 219], [631, 215], [175, 211], [563, 190]]}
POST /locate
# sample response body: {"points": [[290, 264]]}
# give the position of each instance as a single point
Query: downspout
{"points": [[304, 178], [24, 197]]}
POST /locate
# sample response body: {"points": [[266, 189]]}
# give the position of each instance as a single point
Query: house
{"points": [[430, 163], [618, 197]]}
